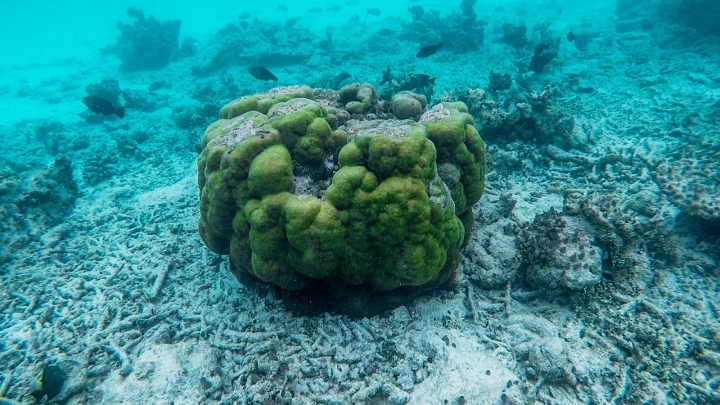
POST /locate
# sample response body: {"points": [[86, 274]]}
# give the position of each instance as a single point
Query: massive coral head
{"points": [[300, 195]]}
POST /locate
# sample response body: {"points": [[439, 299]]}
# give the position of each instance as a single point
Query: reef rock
{"points": [[357, 209]]}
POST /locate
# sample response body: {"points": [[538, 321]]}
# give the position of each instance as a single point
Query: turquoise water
{"points": [[588, 273]]}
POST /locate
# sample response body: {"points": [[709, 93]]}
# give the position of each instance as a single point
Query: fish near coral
{"points": [[543, 55], [421, 80], [51, 383], [339, 79], [373, 11], [291, 22], [99, 105], [261, 73], [427, 51]]}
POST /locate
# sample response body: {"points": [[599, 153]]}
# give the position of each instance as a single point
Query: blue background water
{"points": [[42, 41]]}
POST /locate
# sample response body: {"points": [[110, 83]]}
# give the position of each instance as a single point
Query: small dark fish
{"points": [[342, 76], [570, 36], [544, 54], [155, 86], [282, 8], [289, 23], [429, 50], [339, 79], [334, 8], [99, 105], [385, 32], [261, 73], [415, 81], [422, 80], [315, 10], [244, 24], [244, 16], [373, 11], [51, 383]]}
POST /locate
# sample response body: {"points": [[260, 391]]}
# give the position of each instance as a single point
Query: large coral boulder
{"points": [[357, 209]]}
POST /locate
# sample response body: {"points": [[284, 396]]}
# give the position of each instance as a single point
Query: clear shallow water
{"points": [[610, 299]]}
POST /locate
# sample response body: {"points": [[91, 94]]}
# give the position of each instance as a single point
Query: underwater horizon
{"points": [[358, 202]]}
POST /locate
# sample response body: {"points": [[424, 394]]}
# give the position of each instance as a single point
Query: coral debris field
{"points": [[590, 274]]}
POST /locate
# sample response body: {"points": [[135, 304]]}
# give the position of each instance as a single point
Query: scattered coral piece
{"points": [[100, 166], [33, 202], [561, 253], [505, 118], [514, 34], [147, 44], [499, 81], [51, 194]]}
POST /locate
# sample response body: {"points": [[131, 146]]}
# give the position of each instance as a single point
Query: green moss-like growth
{"points": [[407, 105], [361, 210], [386, 190], [362, 93], [264, 101], [451, 129]]}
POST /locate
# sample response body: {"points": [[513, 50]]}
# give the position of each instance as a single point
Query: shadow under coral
{"points": [[353, 301]]}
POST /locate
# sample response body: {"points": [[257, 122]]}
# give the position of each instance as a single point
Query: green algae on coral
{"points": [[356, 206]]}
